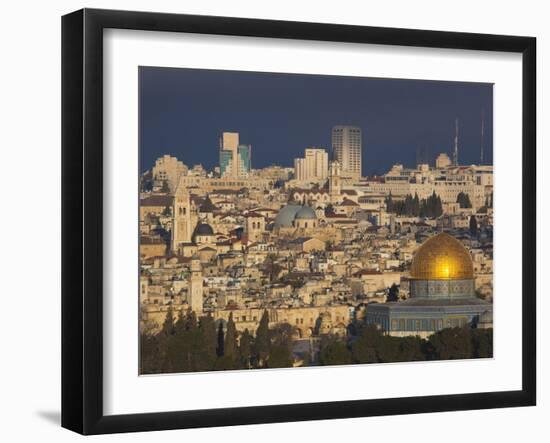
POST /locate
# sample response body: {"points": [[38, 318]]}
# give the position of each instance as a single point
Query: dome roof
{"points": [[306, 213], [442, 257], [286, 215], [204, 229]]}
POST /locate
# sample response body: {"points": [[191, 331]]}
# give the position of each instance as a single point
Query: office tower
{"points": [[244, 163], [346, 149], [235, 159], [314, 165]]}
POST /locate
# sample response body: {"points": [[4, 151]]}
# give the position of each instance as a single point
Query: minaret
{"points": [[195, 286], [455, 152]]}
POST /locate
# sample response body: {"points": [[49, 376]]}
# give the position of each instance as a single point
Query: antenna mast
{"points": [[482, 134], [455, 153]]}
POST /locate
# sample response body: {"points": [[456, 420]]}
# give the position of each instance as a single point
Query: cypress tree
{"points": [[208, 338], [230, 344], [389, 203], [393, 293], [219, 349], [168, 327], [262, 342], [473, 226], [245, 349], [416, 205]]}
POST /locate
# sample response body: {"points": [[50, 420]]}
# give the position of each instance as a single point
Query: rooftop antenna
{"points": [[455, 152], [482, 136]]}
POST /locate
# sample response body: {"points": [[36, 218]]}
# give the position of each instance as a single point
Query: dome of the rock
{"points": [[442, 257]]}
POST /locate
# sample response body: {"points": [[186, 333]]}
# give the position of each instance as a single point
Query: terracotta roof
{"points": [[157, 200], [348, 202]]}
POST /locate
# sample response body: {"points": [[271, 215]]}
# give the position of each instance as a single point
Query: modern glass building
{"points": [[244, 153], [226, 158]]}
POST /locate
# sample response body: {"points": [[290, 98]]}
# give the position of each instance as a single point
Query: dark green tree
{"points": [[230, 348], [245, 349], [389, 203], [207, 341], [363, 349], [452, 344], [165, 188], [279, 357], [334, 352], [473, 226], [482, 343], [262, 342], [393, 293], [168, 327], [464, 200], [220, 340]]}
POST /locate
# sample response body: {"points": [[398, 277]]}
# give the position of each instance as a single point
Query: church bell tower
{"points": [[181, 217]]}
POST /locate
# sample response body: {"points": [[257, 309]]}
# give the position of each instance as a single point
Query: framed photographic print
{"points": [[269, 221]]}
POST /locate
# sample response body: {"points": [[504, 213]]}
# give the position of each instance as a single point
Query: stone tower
{"points": [[334, 181], [195, 286], [255, 227], [182, 227]]}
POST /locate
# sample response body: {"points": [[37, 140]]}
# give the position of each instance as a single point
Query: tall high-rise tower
{"points": [[455, 151], [346, 149], [235, 159]]}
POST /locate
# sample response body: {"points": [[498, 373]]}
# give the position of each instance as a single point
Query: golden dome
{"points": [[442, 257]]}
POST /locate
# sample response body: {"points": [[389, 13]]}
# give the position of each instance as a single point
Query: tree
{"points": [[165, 188], [279, 357], [262, 342], [416, 205], [168, 327], [452, 344], [393, 293], [207, 341], [230, 343], [334, 352], [473, 226], [363, 350], [464, 200], [245, 349], [482, 343], [411, 349], [389, 203], [150, 354], [220, 340]]}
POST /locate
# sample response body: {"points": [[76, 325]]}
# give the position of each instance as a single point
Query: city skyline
{"points": [[279, 116]]}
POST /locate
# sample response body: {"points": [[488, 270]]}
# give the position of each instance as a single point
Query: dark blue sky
{"points": [[183, 111]]}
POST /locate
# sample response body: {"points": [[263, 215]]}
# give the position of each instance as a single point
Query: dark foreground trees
{"points": [[188, 344], [372, 346]]}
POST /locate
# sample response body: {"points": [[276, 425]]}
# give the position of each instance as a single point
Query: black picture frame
{"points": [[82, 215]]}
